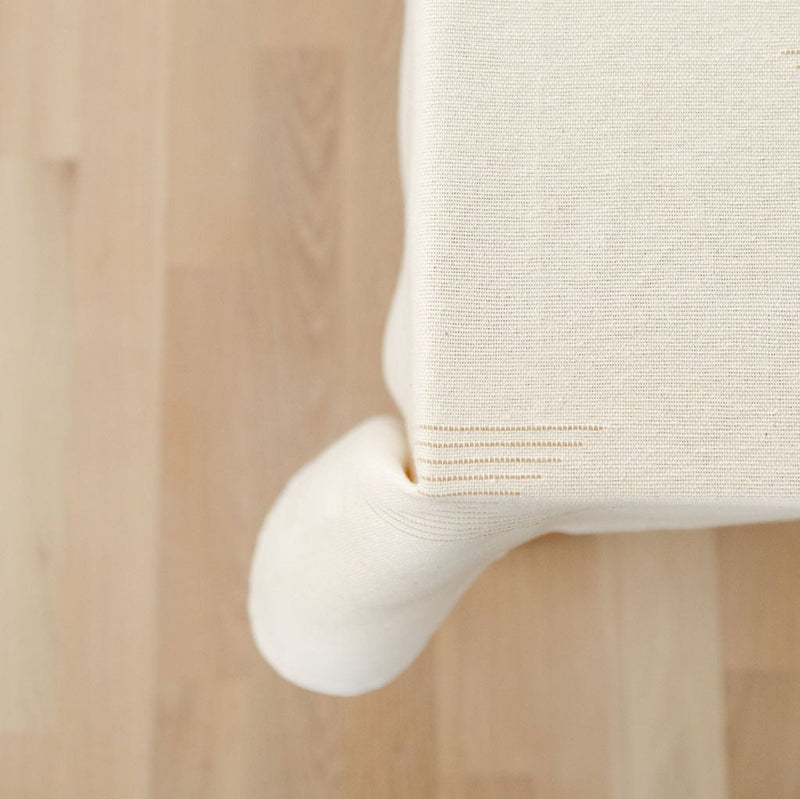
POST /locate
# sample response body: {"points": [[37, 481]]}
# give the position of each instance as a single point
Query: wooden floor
{"points": [[200, 227]]}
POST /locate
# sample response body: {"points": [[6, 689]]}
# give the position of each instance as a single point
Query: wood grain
{"points": [[107, 611], [200, 229], [35, 210], [663, 637]]}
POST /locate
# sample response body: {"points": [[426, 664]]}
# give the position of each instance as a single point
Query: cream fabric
{"points": [[596, 323]]}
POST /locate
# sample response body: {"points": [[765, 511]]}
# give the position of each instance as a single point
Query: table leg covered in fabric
{"points": [[596, 322]]}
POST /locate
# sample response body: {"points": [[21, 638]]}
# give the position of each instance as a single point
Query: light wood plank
{"points": [[760, 596], [35, 355], [108, 603], [299, 204], [498, 787], [40, 51], [522, 675], [309, 23], [764, 734], [214, 85], [760, 611], [216, 423], [373, 234], [662, 630]]}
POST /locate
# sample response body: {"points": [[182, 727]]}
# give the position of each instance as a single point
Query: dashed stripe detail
{"points": [[474, 494], [454, 478], [512, 429], [468, 461], [468, 444]]}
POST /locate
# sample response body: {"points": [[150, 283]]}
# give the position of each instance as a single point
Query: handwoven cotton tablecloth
{"points": [[596, 325]]}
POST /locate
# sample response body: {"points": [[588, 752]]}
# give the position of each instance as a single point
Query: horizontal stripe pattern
{"points": [[468, 460]]}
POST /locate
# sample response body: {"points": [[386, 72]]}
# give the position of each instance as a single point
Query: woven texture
{"points": [[603, 246]]}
